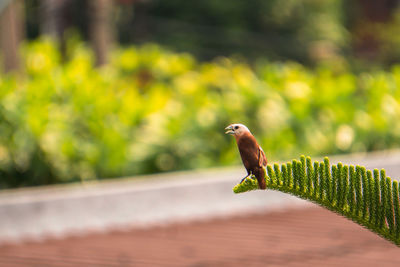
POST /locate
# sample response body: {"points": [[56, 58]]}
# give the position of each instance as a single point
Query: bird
{"points": [[252, 155]]}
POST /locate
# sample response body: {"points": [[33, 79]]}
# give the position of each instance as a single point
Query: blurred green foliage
{"points": [[152, 110]]}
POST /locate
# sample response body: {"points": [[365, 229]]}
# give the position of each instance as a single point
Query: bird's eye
{"points": [[236, 127]]}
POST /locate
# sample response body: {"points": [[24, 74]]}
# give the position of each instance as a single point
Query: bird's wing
{"points": [[262, 160]]}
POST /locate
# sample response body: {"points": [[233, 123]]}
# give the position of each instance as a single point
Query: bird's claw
{"points": [[245, 178]]}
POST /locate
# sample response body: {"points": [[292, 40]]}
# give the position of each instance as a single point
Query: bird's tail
{"points": [[260, 175]]}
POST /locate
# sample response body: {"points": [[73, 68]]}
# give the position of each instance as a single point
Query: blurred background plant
{"points": [[307, 77]]}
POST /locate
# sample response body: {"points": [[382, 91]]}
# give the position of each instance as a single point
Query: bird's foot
{"points": [[245, 178]]}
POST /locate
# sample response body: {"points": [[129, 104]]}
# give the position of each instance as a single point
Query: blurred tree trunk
{"points": [[11, 34], [52, 22], [100, 29], [55, 20]]}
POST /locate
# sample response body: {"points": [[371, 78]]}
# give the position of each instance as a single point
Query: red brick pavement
{"points": [[307, 237]]}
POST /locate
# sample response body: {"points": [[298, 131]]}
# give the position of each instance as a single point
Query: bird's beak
{"points": [[229, 130]]}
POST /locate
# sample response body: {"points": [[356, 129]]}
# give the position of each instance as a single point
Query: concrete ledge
{"points": [[130, 202], [36, 213]]}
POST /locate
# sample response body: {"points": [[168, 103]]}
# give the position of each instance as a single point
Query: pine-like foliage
{"points": [[368, 198]]}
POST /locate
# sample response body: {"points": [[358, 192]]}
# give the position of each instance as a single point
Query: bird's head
{"points": [[237, 129]]}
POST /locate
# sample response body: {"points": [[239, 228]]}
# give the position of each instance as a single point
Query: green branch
{"points": [[369, 199]]}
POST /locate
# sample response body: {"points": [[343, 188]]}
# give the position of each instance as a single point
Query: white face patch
{"points": [[239, 129]]}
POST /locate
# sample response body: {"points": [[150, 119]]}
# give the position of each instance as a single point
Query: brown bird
{"points": [[253, 156]]}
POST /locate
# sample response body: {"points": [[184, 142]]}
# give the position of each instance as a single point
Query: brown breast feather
{"points": [[251, 153]]}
